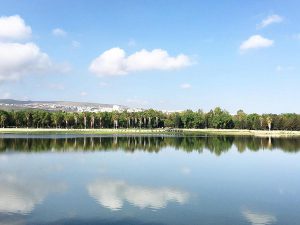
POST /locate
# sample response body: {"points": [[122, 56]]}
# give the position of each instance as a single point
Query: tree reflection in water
{"points": [[214, 144]]}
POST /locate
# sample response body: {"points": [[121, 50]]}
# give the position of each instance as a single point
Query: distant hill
{"points": [[12, 101], [11, 104]]}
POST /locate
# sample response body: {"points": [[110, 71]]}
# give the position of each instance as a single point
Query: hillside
{"points": [[11, 104]]}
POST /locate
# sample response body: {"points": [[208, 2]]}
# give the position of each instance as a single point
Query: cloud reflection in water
{"points": [[113, 193], [21, 196], [258, 218]]}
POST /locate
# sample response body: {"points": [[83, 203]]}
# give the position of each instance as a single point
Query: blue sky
{"points": [[179, 54]]}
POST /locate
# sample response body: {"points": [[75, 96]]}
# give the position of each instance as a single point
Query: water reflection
{"points": [[215, 144], [14, 221], [94, 182], [18, 195], [113, 193], [94, 221], [259, 218]]}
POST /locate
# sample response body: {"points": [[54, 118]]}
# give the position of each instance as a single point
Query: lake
{"points": [[149, 180]]}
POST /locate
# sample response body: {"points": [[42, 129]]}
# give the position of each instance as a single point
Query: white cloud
{"points": [[13, 28], [258, 218], [58, 32], [255, 42], [18, 59], [114, 62], [185, 86], [270, 20], [113, 194]]}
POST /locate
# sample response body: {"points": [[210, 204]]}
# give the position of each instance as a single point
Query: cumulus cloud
{"points": [[18, 59], [185, 86], [58, 32], [20, 196], [270, 20], [256, 42], [113, 194], [114, 62], [13, 28], [258, 218]]}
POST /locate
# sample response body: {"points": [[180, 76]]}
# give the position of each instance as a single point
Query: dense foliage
{"points": [[216, 118]]}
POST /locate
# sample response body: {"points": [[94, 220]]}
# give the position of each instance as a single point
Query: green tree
{"points": [[188, 119], [221, 119], [240, 120], [57, 118]]}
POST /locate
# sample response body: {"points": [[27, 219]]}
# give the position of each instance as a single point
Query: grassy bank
{"points": [[79, 131], [261, 133]]}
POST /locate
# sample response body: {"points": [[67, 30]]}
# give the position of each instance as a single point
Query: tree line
{"points": [[216, 118]]}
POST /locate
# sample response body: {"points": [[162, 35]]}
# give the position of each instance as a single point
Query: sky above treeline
{"points": [[160, 54]]}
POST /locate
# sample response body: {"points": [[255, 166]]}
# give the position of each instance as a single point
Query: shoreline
{"points": [[227, 132]]}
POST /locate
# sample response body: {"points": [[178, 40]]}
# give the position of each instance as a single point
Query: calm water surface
{"points": [[141, 180]]}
